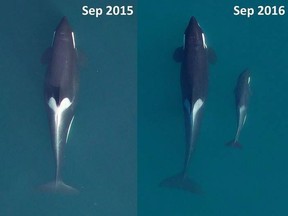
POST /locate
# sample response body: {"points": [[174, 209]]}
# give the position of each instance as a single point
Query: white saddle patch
{"points": [[69, 129], [242, 109], [244, 119], [58, 110], [65, 103], [58, 114], [242, 112], [197, 106]]}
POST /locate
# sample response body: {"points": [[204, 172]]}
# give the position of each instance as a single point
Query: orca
{"points": [[61, 85], [194, 86], [242, 95]]}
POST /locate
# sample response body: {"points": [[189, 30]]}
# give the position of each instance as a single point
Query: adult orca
{"points": [[194, 85], [242, 95], [61, 84]]}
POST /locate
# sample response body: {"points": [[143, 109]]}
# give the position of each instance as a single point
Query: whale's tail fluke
{"points": [[183, 182], [58, 186], [234, 143]]}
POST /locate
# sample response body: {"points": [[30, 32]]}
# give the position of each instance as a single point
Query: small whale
{"points": [[61, 84], [242, 95], [194, 85]]}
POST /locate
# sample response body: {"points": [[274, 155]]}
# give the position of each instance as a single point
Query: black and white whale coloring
{"points": [[242, 95], [194, 85], [61, 84]]}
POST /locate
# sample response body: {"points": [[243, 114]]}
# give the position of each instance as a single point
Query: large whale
{"points": [[194, 84], [242, 95], [61, 84]]}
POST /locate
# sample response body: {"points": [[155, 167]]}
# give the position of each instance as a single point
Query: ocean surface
{"points": [[128, 132], [100, 157], [247, 182]]}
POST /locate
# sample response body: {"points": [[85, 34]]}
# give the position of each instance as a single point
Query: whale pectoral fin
{"points": [[46, 57], [212, 57], [178, 54]]}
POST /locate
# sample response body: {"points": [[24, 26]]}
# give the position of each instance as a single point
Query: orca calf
{"points": [[242, 95]]}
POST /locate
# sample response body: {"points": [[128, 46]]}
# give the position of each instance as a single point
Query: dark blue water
{"points": [[100, 158], [251, 181]]}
